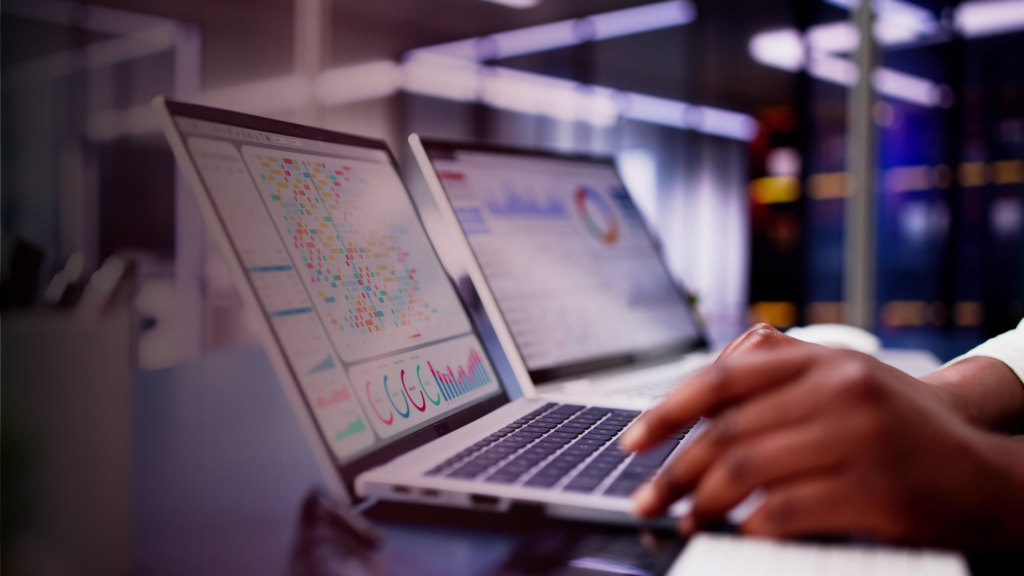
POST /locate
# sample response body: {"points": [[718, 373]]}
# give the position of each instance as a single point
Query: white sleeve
{"points": [[1008, 348]]}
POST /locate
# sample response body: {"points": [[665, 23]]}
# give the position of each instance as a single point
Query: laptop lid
{"points": [[367, 334], [564, 255]]}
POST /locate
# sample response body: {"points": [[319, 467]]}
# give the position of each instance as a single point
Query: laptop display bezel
{"points": [[658, 354], [375, 457]]}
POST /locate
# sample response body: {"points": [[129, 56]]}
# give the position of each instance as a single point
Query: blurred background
{"points": [[732, 122], [728, 120]]}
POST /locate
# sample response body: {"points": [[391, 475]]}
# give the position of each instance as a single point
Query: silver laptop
{"points": [[373, 346], [570, 277]]}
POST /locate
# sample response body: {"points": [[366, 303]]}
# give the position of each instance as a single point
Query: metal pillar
{"points": [[312, 40], [189, 230], [859, 254]]}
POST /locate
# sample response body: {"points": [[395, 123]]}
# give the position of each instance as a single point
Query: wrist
{"points": [[982, 390], [1005, 456], [948, 390]]}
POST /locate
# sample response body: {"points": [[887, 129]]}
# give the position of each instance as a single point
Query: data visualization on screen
{"points": [[356, 298], [354, 251], [402, 391], [565, 255]]}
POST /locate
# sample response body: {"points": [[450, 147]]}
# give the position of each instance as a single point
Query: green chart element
{"points": [[424, 388], [353, 428]]}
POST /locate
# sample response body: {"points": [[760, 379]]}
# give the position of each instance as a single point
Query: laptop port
{"points": [[401, 489], [431, 493], [485, 502]]}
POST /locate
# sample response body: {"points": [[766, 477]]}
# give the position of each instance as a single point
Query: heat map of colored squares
{"points": [[352, 261]]}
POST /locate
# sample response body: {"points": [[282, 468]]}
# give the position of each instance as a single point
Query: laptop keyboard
{"points": [[561, 447]]}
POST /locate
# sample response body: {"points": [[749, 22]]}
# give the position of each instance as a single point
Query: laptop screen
{"points": [[371, 326], [579, 281]]}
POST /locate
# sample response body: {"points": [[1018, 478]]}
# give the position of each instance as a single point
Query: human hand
{"points": [[759, 337], [840, 443]]}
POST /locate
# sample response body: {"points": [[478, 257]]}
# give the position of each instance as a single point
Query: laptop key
{"points": [[542, 481], [465, 473], [621, 489], [639, 469], [584, 484], [614, 422], [502, 478]]}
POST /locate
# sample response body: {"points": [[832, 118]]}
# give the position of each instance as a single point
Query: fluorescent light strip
{"points": [[654, 110], [442, 77], [906, 13], [833, 69], [898, 23], [842, 37], [566, 33], [641, 19], [530, 40], [906, 87], [518, 4], [537, 94], [452, 71], [902, 22], [779, 49], [449, 79], [988, 18], [784, 49], [726, 124]]}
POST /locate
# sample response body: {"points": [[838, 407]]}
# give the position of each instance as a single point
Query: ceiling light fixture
{"points": [[519, 4], [565, 33], [988, 18]]}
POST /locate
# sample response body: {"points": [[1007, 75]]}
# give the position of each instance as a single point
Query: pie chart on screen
{"points": [[597, 215]]}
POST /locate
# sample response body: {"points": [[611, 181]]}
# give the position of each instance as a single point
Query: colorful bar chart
{"points": [[466, 379], [401, 391]]}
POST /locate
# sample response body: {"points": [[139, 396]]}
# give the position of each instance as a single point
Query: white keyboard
{"points": [[717, 554]]}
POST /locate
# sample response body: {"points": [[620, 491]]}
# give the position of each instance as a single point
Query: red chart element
{"points": [[587, 196], [373, 404], [409, 395]]}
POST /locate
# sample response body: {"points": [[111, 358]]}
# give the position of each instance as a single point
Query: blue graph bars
{"points": [[515, 204], [468, 378]]}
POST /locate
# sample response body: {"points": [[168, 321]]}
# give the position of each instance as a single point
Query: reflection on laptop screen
{"points": [[354, 293], [564, 251]]}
